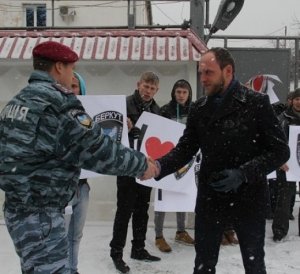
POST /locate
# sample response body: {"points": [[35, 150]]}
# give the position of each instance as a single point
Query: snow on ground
{"points": [[281, 258]]}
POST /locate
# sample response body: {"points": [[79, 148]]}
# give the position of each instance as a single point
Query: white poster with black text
{"points": [[110, 112], [293, 174]]}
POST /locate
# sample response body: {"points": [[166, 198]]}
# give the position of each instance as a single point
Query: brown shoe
{"points": [[224, 240], [162, 245], [230, 236], [184, 238]]}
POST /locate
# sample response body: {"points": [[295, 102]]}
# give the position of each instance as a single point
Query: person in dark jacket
{"points": [[241, 142], [46, 138], [279, 108], [132, 198], [286, 190], [177, 109]]}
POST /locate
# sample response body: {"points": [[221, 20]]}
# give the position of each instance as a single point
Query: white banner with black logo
{"points": [[293, 174], [110, 112]]}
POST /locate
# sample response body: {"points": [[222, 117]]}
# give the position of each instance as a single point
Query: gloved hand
{"points": [[227, 180], [135, 132]]}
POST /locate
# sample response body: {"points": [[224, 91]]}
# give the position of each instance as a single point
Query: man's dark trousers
{"points": [[250, 232], [132, 201]]}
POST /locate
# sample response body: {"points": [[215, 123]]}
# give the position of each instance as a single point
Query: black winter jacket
{"points": [[135, 107], [175, 111], [244, 133], [286, 119]]}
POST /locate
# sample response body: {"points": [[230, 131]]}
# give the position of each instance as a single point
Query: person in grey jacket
{"points": [[46, 138]]}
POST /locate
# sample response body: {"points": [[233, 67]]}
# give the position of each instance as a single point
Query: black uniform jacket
{"points": [[286, 119], [243, 132]]}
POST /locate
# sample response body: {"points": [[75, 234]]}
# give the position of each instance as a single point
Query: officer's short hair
{"points": [[223, 57], [42, 64], [150, 77]]}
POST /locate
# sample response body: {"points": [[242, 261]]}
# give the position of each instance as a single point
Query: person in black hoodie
{"points": [[177, 109]]}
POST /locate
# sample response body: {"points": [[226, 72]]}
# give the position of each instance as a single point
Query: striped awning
{"points": [[109, 45]]}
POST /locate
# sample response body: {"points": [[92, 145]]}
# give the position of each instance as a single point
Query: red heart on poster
{"points": [[155, 149], [258, 83]]}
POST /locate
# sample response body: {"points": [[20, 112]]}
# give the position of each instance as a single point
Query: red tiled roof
{"points": [[110, 45]]}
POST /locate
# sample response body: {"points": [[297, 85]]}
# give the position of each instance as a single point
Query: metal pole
{"points": [[197, 17], [52, 13], [296, 62], [197, 25], [131, 14], [207, 24]]}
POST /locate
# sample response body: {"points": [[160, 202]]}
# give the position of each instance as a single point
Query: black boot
{"points": [[143, 255], [121, 265]]}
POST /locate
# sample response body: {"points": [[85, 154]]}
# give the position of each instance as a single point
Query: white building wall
{"points": [[80, 13]]}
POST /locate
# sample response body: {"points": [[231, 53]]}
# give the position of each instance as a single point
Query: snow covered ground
{"points": [[281, 258]]}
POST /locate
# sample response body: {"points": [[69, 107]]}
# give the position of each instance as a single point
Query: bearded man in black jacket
{"points": [[241, 142]]}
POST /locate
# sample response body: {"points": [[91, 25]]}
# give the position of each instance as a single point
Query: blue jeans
{"points": [[75, 223], [159, 218]]}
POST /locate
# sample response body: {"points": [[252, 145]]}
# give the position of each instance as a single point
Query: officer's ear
{"points": [[58, 67]]}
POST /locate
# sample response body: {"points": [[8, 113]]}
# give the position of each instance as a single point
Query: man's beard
{"points": [[216, 89]]}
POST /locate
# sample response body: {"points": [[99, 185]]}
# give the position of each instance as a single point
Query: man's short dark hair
{"points": [[150, 77], [223, 57], [296, 93], [182, 84], [290, 95], [42, 64]]}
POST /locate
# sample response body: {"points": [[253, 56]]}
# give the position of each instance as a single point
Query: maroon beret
{"points": [[55, 51]]}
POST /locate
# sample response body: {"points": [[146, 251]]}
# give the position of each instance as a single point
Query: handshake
{"points": [[152, 171]]}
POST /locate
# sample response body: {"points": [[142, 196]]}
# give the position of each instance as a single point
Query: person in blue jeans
{"points": [[76, 212], [177, 110]]}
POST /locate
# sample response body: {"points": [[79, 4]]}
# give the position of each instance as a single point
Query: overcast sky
{"points": [[257, 17]]}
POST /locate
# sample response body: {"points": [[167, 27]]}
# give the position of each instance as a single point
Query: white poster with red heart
{"points": [[264, 83], [177, 191], [293, 174], [110, 112]]}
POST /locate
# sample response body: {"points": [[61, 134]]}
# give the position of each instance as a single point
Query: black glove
{"points": [[227, 180], [135, 132]]}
